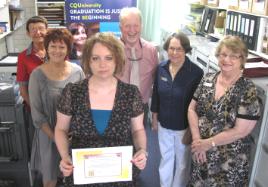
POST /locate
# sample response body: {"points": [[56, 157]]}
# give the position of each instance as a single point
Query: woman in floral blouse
{"points": [[222, 113], [101, 111]]}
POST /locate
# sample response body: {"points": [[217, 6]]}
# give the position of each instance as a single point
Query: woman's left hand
{"points": [[201, 145], [140, 159]]}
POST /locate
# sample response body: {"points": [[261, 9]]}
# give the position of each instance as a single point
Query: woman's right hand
{"points": [[200, 157], [66, 167]]}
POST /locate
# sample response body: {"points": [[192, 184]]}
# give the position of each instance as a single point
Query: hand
{"points": [[140, 159], [200, 145], [66, 167], [200, 157]]}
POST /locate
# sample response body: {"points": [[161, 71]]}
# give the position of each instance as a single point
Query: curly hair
{"points": [[236, 45], [59, 34]]}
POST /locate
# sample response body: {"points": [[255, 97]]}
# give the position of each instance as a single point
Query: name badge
{"points": [[164, 79], [208, 84]]}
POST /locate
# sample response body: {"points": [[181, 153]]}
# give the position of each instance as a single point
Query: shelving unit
{"points": [[13, 18], [253, 27], [53, 11]]}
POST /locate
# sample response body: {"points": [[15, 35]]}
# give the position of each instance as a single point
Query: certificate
{"points": [[102, 165]]}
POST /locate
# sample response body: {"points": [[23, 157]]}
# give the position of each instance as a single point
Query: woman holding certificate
{"points": [[101, 111]]}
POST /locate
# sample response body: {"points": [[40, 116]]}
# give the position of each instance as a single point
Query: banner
{"points": [[97, 15]]}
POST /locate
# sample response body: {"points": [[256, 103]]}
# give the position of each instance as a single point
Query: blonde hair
{"points": [[236, 45]]}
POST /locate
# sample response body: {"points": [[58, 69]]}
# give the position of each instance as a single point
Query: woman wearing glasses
{"points": [[175, 83], [222, 113]]}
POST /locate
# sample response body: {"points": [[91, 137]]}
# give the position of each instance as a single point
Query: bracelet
{"points": [[213, 143], [144, 151]]}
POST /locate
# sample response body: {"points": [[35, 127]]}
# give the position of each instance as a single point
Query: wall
{"points": [[18, 40]]}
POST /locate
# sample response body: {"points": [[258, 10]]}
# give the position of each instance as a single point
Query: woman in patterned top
{"points": [[101, 111], [222, 113]]}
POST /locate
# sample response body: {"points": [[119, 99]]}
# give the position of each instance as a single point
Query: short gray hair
{"points": [[129, 10]]}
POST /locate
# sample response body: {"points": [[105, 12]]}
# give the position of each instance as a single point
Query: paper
{"points": [[102, 165], [9, 60], [256, 65]]}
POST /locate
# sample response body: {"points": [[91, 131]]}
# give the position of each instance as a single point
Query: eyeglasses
{"points": [[138, 54], [35, 29], [222, 56], [177, 50]]}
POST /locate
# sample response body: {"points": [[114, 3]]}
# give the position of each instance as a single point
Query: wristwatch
{"points": [[213, 143]]}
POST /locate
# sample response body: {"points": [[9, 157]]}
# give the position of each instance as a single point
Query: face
{"points": [[37, 32], [131, 29], [80, 37], [229, 61], [176, 53], [102, 62], [57, 51]]}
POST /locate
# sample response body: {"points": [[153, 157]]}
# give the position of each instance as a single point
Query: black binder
{"points": [[253, 32]]}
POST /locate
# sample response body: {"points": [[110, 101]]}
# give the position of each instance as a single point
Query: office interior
{"points": [[204, 21]]}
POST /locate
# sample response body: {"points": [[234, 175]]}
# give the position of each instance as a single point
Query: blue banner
{"points": [[95, 10], [97, 15]]}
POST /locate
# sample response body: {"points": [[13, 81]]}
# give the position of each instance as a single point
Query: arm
{"points": [[61, 139], [193, 120], [154, 121], [198, 156], [140, 141], [241, 129], [248, 111], [37, 108], [155, 105], [24, 93]]}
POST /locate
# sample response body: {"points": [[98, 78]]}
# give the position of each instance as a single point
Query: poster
{"points": [[97, 15]]}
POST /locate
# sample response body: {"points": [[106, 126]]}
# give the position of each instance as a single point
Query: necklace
{"points": [[174, 70], [228, 84]]}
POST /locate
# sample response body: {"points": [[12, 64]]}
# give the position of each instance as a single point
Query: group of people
{"points": [[104, 102]]}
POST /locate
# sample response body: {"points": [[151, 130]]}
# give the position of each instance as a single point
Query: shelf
{"points": [[264, 56], [52, 11], [5, 34]]}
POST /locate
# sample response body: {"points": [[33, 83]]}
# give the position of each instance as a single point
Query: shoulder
{"points": [[37, 71], [22, 56], [23, 53], [209, 77], [75, 67], [76, 88], [147, 45], [38, 75], [129, 88], [26, 52], [192, 66], [162, 64], [247, 84]]}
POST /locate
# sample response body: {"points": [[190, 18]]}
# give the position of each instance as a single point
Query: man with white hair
{"points": [[141, 55]]}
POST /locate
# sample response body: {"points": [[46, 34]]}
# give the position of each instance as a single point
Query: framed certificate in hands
{"points": [[102, 165]]}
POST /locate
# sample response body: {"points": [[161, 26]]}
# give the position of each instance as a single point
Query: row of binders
{"points": [[245, 26]]}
